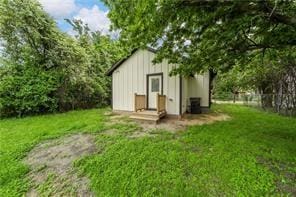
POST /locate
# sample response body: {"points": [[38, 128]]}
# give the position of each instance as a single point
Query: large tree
{"points": [[202, 34], [43, 69], [102, 51], [42, 66]]}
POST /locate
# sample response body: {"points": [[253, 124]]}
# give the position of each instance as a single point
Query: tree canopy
{"points": [[202, 34], [46, 70]]}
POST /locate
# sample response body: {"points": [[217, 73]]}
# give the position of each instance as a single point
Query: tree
{"points": [[46, 70], [229, 84], [102, 52], [275, 81], [26, 90], [202, 34], [33, 43]]}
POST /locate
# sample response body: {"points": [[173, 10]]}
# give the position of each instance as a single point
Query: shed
{"points": [[147, 89]]}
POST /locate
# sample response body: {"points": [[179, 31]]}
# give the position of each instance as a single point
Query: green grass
{"points": [[18, 136], [252, 154]]}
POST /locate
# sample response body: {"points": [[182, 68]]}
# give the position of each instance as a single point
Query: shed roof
{"points": [[117, 64]]}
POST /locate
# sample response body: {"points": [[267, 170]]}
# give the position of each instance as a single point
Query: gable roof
{"points": [[117, 64]]}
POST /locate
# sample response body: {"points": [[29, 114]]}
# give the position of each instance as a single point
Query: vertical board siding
{"points": [[131, 76], [125, 88], [198, 86]]}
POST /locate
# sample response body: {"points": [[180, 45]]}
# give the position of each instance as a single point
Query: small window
{"points": [[155, 84]]}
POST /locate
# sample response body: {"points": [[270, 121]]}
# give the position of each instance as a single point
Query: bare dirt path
{"points": [[172, 125], [52, 172]]}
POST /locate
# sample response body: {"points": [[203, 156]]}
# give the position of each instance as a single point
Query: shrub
{"points": [[26, 91]]}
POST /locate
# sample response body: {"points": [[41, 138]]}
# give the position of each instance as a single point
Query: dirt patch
{"points": [[174, 125], [51, 166]]}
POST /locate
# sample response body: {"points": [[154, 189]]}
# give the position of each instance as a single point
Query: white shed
{"points": [[139, 85]]}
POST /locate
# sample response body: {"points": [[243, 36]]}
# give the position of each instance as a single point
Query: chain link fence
{"points": [[284, 104]]}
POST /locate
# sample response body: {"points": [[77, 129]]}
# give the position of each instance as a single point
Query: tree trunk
{"points": [[267, 95], [213, 74]]}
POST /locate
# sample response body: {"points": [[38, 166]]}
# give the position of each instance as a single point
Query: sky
{"points": [[92, 12]]}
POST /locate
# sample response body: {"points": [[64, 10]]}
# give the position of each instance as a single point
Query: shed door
{"points": [[154, 87]]}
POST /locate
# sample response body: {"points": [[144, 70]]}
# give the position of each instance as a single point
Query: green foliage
{"points": [[262, 74], [228, 83], [202, 34], [26, 91], [45, 70], [102, 52]]}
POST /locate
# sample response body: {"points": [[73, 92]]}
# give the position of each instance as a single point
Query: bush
{"points": [[26, 91]]}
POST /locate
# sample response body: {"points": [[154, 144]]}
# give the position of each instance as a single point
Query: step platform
{"points": [[148, 116]]}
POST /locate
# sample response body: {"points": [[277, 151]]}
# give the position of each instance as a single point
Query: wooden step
{"points": [[145, 118], [145, 115], [149, 114], [162, 114]]}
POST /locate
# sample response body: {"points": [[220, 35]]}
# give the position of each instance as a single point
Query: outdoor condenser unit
{"points": [[195, 105]]}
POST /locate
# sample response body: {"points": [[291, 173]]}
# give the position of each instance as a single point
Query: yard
{"points": [[251, 153]]}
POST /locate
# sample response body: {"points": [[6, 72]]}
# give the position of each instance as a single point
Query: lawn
{"points": [[254, 153]]}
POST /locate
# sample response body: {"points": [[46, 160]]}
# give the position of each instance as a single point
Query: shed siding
{"points": [[131, 78], [199, 86]]}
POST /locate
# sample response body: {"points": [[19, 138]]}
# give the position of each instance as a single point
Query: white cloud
{"points": [[95, 18], [59, 9]]}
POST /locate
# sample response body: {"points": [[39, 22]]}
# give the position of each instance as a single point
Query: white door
{"points": [[154, 87]]}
